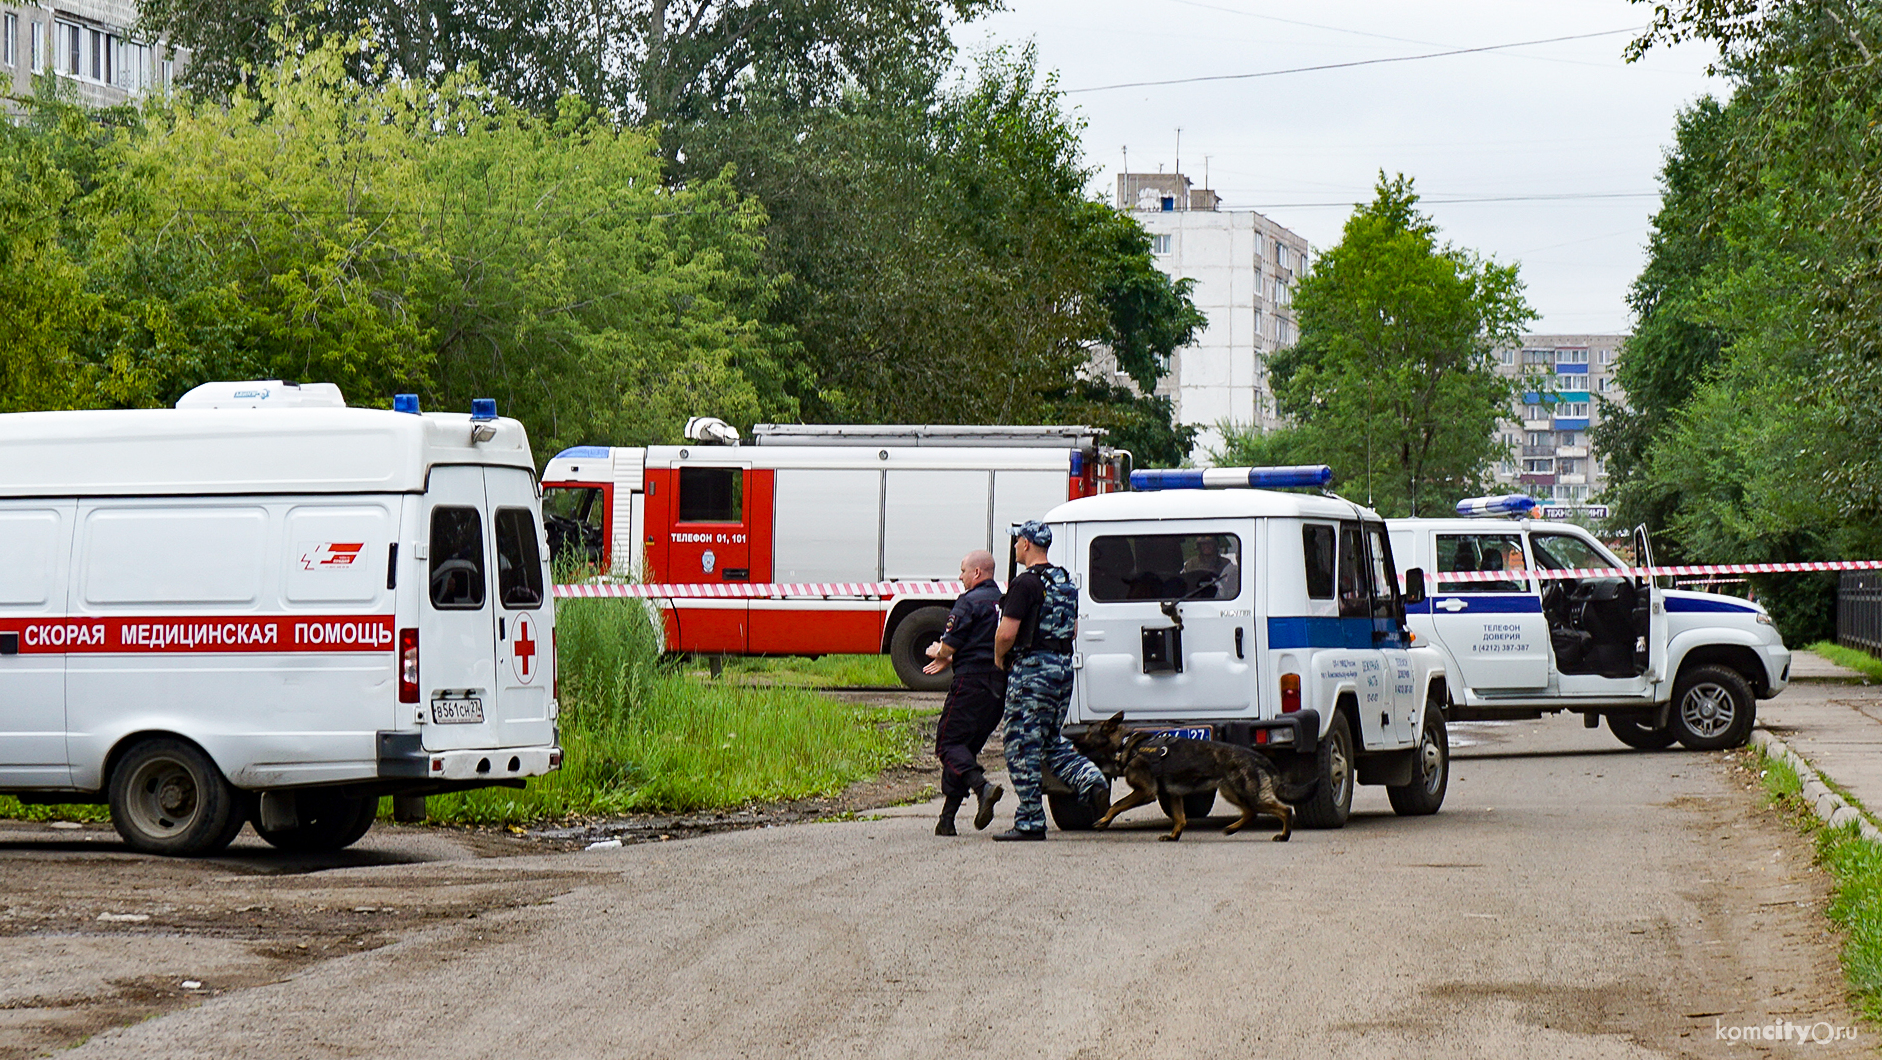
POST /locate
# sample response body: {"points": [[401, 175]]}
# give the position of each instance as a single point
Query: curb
{"points": [[1835, 810]]}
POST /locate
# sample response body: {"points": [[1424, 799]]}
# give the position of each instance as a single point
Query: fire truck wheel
{"points": [[167, 797], [329, 821], [908, 649]]}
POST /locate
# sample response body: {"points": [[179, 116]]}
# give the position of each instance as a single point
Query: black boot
{"points": [[945, 826], [989, 794]]}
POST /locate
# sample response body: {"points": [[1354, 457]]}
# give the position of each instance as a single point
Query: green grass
{"points": [[12, 809], [1860, 661], [829, 671], [1855, 864], [639, 736]]}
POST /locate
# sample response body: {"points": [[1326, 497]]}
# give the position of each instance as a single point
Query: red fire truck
{"points": [[822, 507]]}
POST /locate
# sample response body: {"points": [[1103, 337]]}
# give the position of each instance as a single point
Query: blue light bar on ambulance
{"points": [[483, 409], [1222, 478], [1514, 504]]}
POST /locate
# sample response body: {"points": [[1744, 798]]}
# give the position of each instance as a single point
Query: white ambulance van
{"points": [[1213, 608], [1659, 664], [265, 606]]}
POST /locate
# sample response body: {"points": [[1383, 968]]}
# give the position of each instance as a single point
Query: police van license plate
{"points": [[457, 711], [1194, 732]]}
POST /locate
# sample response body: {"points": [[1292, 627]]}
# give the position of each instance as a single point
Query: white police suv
{"points": [[1659, 664], [1268, 619]]}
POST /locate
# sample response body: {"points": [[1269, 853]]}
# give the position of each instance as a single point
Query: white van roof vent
{"points": [[263, 394]]}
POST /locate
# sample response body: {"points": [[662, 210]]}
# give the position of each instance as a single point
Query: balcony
{"points": [[1577, 479], [1531, 478], [1538, 450], [1569, 451]]}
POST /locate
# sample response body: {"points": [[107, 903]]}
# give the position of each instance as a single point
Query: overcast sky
{"points": [[1549, 120]]}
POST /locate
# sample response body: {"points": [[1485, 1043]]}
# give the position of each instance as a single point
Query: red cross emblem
{"points": [[523, 648]]}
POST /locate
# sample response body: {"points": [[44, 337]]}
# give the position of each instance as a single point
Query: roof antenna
{"points": [[1183, 204]]}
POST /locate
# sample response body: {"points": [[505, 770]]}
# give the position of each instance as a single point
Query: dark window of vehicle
{"points": [[574, 517], [519, 563], [1566, 552], [457, 559], [1479, 552], [711, 494], [1355, 601], [1384, 576], [1166, 567], [1317, 542]]}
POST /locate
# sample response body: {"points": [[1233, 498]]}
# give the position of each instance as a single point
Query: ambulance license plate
{"points": [[1193, 732], [457, 711]]}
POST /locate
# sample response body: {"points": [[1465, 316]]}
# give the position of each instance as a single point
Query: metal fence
{"points": [[1859, 611]]}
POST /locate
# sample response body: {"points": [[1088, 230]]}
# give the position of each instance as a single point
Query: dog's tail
{"points": [[1299, 793]]}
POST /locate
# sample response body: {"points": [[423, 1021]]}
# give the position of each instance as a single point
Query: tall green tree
{"points": [[946, 263], [394, 236], [666, 62], [1391, 381], [1758, 344]]}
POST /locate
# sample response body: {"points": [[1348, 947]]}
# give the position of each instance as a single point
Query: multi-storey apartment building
{"points": [[1551, 456], [1245, 266], [89, 44]]}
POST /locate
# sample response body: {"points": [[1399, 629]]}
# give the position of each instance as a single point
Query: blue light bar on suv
{"points": [[1514, 504], [1221, 478]]}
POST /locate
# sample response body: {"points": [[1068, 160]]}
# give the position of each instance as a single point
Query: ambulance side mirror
{"points": [[1415, 586]]}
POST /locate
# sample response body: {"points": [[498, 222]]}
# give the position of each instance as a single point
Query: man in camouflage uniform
{"points": [[1036, 625]]}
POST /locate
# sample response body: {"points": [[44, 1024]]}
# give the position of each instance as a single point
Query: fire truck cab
{"points": [[838, 518]]}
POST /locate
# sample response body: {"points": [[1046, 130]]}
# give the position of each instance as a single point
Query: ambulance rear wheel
{"points": [[167, 797], [328, 821], [908, 649], [1332, 800]]}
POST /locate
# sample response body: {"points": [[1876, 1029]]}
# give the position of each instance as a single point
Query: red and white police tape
{"points": [[734, 590], [1654, 572], [879, 590]]}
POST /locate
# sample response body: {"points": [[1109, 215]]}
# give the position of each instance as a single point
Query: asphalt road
{"points": [[1573, 899]]}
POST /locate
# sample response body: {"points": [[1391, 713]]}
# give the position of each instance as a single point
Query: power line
{"points": [[1423, 201], [1345, 65]]}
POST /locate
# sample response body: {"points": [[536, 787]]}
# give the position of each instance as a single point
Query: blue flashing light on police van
{"points": [[1514, 504], [1216, 478], [405, 403], [483, 409]]}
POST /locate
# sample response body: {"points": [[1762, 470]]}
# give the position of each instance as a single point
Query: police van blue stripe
{"points": [[1681, 603], [1308, 632]]}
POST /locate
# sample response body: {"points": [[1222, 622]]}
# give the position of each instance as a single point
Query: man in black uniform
{"points": [[975, 697]]}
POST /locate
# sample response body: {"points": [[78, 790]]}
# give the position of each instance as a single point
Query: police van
{"points": [[1212, 605], [264, 606], [1659, 664]]}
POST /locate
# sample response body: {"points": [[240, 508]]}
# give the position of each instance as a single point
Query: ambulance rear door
{"points": [[524, 612], [457, 663]]}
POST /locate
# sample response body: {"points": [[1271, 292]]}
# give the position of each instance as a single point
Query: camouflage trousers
{"points": [[1038, 691]]}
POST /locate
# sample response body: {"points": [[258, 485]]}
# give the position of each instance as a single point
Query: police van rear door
{"points": [[1133, 655]]}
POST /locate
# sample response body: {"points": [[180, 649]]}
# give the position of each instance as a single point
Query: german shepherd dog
{"points": [[1166, 768]]}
